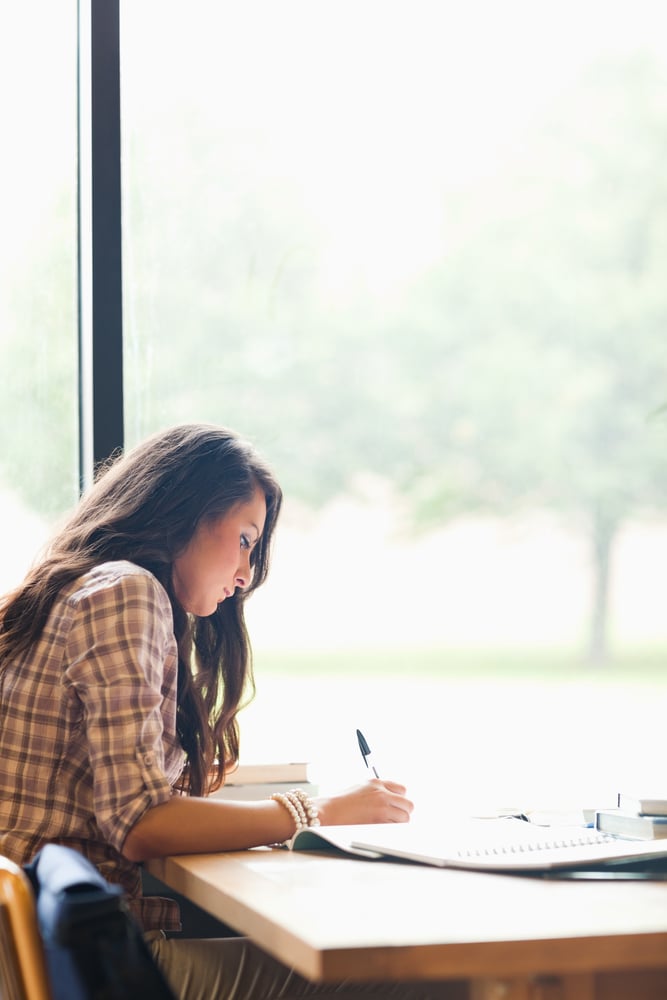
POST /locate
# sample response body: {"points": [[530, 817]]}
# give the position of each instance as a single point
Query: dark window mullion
{"points": [[100, 250]]}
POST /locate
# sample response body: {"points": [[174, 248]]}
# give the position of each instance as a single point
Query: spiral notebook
{"points": [[493, 845]]}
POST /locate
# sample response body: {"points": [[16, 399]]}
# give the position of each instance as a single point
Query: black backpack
{"points": [[94, 947]]}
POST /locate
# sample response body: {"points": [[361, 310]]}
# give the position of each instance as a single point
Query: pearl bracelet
{"points": [[309, 807], [300, 806]]}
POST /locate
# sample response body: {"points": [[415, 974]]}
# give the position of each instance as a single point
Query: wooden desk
{"points": [[512, 938]]}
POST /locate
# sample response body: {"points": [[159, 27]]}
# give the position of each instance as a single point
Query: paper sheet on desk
{"points": [[495, 845], [542, 812]]}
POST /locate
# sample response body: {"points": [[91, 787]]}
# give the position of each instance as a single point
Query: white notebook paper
{"points": [[500, 845]]}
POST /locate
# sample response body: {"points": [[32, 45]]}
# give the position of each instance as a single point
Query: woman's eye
{"points": [[245, 542]]}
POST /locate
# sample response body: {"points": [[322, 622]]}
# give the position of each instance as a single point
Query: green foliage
{"points": [[38, 358], [521, 369], [553, 318]]}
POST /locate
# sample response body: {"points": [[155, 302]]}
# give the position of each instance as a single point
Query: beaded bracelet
{"points": [[312, 815], [300, 806]]}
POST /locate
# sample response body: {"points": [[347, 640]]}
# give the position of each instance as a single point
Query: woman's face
{"points": [[216, 560]]}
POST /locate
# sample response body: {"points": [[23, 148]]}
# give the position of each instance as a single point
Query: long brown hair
{"points": [[145, 507]]}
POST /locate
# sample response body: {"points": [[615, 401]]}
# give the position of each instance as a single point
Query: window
{"points": [[38, 328], [417, 253]]}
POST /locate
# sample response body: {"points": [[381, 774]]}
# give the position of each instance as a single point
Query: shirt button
{"points": [[149, 759]]}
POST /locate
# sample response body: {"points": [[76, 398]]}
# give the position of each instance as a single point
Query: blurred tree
{"points": [[519, 373], [552, 332], [38, 334], [38, 359]]}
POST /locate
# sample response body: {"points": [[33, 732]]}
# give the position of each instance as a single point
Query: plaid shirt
{"points": [[88, 727]]}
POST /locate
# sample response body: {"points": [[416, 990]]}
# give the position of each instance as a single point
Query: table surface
{"points": [[330, 917]]}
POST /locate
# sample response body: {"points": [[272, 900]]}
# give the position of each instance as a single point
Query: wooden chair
{"points": [[23, 974]]}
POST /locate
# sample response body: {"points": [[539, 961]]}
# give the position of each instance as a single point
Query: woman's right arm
{"points": [[186, 825]]}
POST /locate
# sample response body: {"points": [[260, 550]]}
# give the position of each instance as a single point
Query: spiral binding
{"points": [[594, 837]]}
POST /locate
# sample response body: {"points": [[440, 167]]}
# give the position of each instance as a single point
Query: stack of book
{"points": [[260, 781], [635, 818]]}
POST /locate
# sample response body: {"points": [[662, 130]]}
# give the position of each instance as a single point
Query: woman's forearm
{"points": [[187, 825]]}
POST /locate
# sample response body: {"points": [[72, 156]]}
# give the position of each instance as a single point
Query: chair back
{"points": [[93, 947], [23, 974]]}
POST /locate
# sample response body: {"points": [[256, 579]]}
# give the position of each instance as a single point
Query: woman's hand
{"points": [[375, 801]]}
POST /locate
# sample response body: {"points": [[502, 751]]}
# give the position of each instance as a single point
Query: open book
{"points": [[494, 845]]}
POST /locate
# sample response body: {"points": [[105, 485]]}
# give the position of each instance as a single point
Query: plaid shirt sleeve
{"points": [[88, 739], [121, 663]]}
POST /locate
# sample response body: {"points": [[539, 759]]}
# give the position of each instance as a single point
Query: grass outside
{"points": [[636, 664], [467, 727]]}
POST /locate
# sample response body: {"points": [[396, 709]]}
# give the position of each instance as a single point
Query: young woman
{"points": [[124, 659]]}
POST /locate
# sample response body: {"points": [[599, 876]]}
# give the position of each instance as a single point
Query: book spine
{"points": [[642, 807], [262, 790], [632, 826]]}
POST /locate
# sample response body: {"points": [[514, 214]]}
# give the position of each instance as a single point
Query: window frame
{"points": [[99, 236]]}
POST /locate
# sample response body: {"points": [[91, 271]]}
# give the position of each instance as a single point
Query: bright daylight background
{"points": [[416, 251]]}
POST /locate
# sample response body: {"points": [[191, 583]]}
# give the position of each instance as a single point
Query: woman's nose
{"points": [[244, 572]]}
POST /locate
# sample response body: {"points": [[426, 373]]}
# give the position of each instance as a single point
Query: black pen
{"points": [[366, 752]]}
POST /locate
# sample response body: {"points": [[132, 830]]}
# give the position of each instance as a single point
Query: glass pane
{"points": [[422, 266], [38, 334]]}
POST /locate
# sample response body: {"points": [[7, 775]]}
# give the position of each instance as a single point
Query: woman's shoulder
{"points": [[115, 578]]}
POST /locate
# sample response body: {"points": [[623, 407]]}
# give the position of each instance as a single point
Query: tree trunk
{"points": [[604, 530]]}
